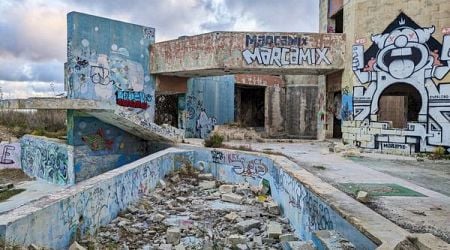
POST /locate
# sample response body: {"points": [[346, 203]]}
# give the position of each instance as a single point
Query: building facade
{"points": [[395, 88]]}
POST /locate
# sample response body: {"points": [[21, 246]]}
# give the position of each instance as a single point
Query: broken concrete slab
{"points": [[246, 225], [233, 198], [274, 230]]}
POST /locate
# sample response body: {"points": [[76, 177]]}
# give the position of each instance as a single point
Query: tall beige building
{"points": [[394, 93]]}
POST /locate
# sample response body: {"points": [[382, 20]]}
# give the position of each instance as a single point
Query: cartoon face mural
{"points": [[407, 56]]}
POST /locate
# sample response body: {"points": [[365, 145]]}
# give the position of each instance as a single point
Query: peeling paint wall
{"points": [[47, 159], [220, 53], [209, 101]]}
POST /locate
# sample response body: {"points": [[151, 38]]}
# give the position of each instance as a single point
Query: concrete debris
{"points": [[194, 211], [232, 216], [76, 246], [362, 196], [297, 245], [274, 230], [272, 208], [287, 237], [173, 235], [207, 184], [205, 176], [246, 225], [226, 189], [233, 198]]}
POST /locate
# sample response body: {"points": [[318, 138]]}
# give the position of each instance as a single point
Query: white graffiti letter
{"points": [[276, 57], [250, 57], [322, 56], [304, 55]]}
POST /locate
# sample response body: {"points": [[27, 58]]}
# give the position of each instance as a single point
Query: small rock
{"points": [[207, 184], [162, 183], [207, 176], [287, 237], [273, 208], [165, 247], [173, 235], [180, 247], [233, 198], [242, 247], [231, 216], [362, 196], [274, 230], [182, 199], [226, 189], [246, 225], [236, 239], [175, 178], [76, 246], [34, 247], [297, 245], [158, 217]]}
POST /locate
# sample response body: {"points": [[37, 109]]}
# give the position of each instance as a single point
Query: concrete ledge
{"points": [[55, 103]]}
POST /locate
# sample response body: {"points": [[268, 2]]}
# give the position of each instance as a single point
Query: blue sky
{"points": [[33, 32]]}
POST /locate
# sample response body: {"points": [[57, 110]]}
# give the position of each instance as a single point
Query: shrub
{"points": [[214, 141]]}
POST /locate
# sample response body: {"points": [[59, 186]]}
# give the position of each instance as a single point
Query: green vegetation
{"points": [[214, 141], [50, 123], [4, 195]]}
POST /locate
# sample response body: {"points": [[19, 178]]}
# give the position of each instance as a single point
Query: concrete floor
{"points": [[416, 214], [34, 190]]}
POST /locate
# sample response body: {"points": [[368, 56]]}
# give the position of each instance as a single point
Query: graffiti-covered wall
{"points": [[47, 159], [209, 101], [305, 210], [100, 147], [55, 221], [108, 60], [404, 56]]}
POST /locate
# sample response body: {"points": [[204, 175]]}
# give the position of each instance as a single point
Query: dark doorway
{"points": [[337, 119], [166, 111], [249, 105], [399, 103]]}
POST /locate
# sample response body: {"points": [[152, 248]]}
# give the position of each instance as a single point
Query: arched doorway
{"points": [[399, 103]]}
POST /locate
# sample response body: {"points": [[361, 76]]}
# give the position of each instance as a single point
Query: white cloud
{"points": [[33, 32]]}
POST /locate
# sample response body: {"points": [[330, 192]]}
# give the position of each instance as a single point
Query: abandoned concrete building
{"points": [[375, 76]]}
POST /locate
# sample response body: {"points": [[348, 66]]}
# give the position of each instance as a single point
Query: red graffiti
{"points": [[132, 104]]}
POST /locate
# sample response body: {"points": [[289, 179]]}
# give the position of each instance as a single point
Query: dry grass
{"points": [[12, 175], [50, 123]]}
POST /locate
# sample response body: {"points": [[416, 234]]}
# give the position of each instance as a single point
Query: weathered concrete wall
{"points": [[209, 101], [275, 102], [305, 210], [47, 159], [302, 101], [10, 155], [54, 221], [100, 147], [307, 202], [108, 60], [220, 53]]}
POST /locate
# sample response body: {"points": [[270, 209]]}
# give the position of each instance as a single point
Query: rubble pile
{"points": [[194, 211]]}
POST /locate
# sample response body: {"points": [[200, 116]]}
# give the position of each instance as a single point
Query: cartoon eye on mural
{"points": [[405, 60]]}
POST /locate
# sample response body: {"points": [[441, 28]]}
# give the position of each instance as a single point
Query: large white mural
{"points": [[407, 56]]}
